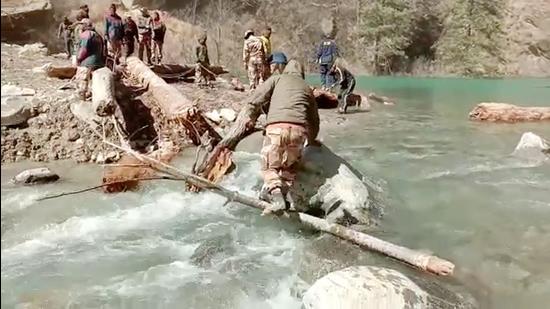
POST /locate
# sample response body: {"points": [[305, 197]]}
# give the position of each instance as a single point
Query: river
{"points": [[451, 186]]}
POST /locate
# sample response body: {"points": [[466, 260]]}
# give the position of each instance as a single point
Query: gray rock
{"points": [[16, 110], [208, 250], [36, 176], [12, 90], [532, 147], [374, 287]]}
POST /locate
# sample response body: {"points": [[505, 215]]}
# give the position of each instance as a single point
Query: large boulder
{"points": [[532, 147], [328, 186], [16, 110], [26, 21], [36, 176], [375, 287], [502, 112]]}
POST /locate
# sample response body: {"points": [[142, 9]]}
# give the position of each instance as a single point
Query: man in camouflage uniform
{"points": [[253, 58], [145, 33], [65, 31], [292, 119], [90, 56], [203, 62]]}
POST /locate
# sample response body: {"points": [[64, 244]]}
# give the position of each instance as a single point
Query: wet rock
{"points": [[532, 146], [208, 250], [36, 176], [375, 287], [16, 110]]}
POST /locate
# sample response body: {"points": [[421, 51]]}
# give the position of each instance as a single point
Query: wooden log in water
{"points": [[502, 112], [415, 258]]}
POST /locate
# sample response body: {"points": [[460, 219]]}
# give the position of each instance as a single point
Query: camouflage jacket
{"points": [[253, 49], [201, 52]]}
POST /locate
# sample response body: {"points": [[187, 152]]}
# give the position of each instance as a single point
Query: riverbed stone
{"points": [[206, 253], [374, 287], [16, 110], [36, 176]]}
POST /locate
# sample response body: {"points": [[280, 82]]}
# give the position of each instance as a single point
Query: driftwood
{"points": [[178, 112], [103, 92], [417, 259], [61, 72], [501, 112]]}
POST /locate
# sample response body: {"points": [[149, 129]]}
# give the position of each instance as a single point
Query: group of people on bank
{"points": [[120, 37]]}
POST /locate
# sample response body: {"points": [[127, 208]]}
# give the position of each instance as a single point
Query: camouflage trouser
{"points": [[255, 72], [281, 154], [200, 74]]}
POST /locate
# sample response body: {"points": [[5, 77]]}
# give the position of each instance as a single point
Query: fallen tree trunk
{"points": [[502, 112], [178, 113], [417, 259], [103, 92], [61, 72]]}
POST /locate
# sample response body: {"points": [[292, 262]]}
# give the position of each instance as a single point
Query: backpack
{"points": [[327, 52]]}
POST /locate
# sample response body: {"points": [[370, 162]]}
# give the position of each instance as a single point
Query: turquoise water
{"points": [[452, 187]]}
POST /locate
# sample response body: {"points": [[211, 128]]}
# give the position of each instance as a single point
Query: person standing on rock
{"points": [[159, 31], [346, 80], [203, 62], [278, 63], [90, 55], [145, 34], [253, 58], [114, 32], [130, 35], [266, 41], [292, 119], [65, 31], [326, 55]]}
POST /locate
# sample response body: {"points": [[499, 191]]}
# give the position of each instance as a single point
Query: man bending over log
{"points": [[292, 119]]}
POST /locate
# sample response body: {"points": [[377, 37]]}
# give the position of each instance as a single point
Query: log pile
{"points": [[182, 122], [502, 112]]}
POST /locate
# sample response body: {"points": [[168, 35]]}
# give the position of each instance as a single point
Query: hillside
{"points": [[418, 37]]}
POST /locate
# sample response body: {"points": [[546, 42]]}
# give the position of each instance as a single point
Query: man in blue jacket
{"points": [[326, 55]]}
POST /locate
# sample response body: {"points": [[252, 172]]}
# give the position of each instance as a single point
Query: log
{"points": [[502, 112], [103, 92], [178, 112], [328, 100], [415, 258], [61, 72]]}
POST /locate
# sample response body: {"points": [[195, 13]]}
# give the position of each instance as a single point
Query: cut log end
{"points": [[440, 266]]}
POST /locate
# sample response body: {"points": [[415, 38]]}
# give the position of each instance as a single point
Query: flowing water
{"points": [[452, 187]]}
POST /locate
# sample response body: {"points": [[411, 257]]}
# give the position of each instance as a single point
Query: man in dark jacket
{"points": [[292, 119], [114, 32], [130, 35], [346, 80], [326, 55]]}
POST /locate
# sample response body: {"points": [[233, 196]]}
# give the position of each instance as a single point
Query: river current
{"points": [[451, 187]]}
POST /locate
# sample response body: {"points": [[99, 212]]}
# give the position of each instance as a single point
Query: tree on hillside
{"points": [[385, 29], [471, 42]]}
